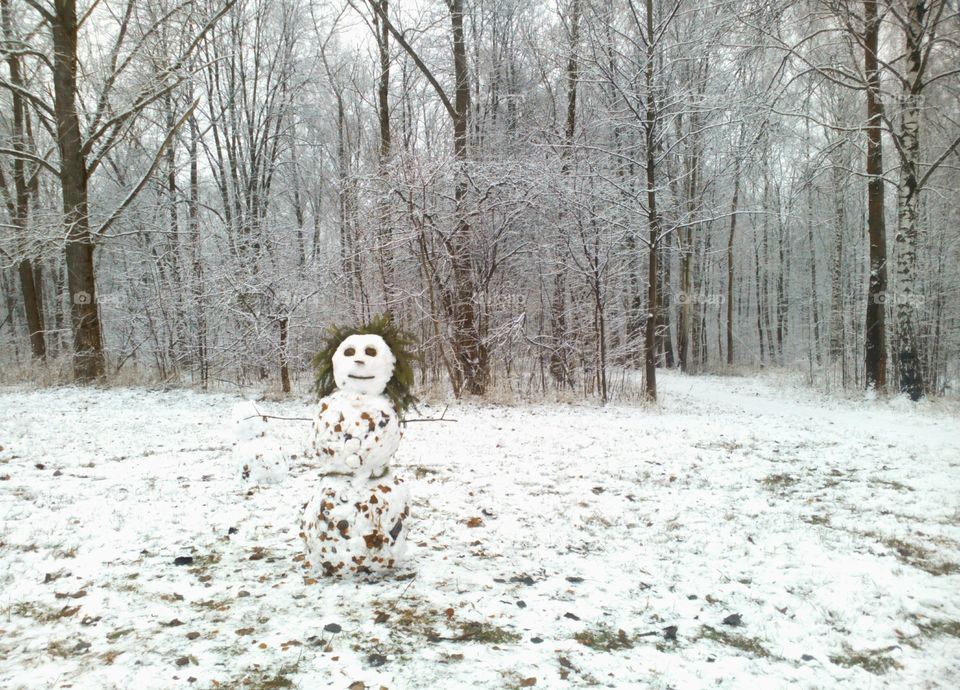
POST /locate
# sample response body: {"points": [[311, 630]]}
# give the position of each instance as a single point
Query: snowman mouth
{"points": [[362, 378]]}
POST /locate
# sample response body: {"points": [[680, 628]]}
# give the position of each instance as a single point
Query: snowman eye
{"points": [[371, 352], [349, 352]]}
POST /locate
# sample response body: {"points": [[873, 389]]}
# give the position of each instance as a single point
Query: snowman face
{"points": [[363, 364]]}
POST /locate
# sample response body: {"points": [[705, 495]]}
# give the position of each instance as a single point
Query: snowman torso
{"points": [[354, 433]]}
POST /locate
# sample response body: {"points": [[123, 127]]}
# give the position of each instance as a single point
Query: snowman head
{"points": [[363, 363], [374, 359]]}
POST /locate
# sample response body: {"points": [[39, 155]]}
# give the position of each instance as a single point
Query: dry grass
{"points": [[749, 645], [605, 639], [874, 661], [917, 555]]}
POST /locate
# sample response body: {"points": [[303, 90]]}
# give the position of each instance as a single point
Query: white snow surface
{"points": [[538, 533]]}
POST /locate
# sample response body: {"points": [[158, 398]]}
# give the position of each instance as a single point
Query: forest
{"points": [[551, 197]]}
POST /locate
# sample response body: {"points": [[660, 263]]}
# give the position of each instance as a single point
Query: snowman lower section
{"points": [[352, 527]]}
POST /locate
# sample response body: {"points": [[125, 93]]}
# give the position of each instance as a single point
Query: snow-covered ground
{"points": [[742, 534]]}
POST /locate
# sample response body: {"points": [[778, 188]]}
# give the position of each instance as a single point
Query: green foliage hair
{"points": [[399, 388]]}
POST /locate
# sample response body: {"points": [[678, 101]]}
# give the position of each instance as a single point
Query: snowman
{"points": [[356, 520]]}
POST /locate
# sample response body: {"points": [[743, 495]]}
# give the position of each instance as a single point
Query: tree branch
{"points": [[24, 155], [416, 59], [148, 98], [937, 163], [146, 178], [29, 95], [43, 11]]}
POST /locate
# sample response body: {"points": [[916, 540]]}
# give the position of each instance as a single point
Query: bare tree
{"points": [[25, 186], [470, 353], [83, 147], [920, 22]]}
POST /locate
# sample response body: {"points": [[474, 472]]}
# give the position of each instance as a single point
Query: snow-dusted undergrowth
{"points": [[738, 535]]}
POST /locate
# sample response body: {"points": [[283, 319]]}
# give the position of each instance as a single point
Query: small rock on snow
{"points": [[376, 660]]}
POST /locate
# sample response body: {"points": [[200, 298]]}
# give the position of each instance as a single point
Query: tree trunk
{"points": [[814, 307], [908, 355], [347, 255], [560, 366], [836, 274], [704, 262], [684, 317], [570, 125], [88, 362], [783, 303], [384, 234], [31, 285], [197, 287], [470, 352], [284, 365], [690, 317], [653, 222], [9, 302], [383, 83], [600, 332], [764, 274], [730, 239], [875, 348], [664, 332], [757, 284]]}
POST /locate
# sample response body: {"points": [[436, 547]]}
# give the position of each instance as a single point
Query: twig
{"points": [[270, 416], [431, 419], [413, 579], [441, 418], [232, 383], [289, 419]]}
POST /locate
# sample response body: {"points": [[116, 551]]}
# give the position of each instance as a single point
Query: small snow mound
{"points": [[248, 422], [259, 458], [262, 461]]}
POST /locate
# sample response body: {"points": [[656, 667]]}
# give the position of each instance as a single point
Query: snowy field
{"points": [[742, 535]]}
